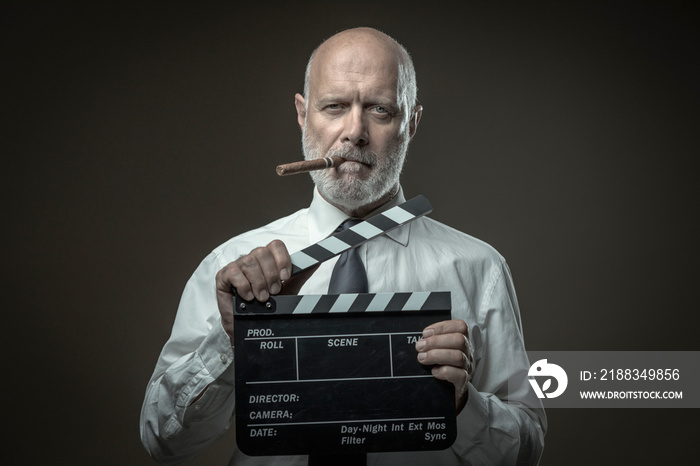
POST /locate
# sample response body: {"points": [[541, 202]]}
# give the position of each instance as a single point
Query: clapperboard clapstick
{"points": [[364, 302], [360, 233]]}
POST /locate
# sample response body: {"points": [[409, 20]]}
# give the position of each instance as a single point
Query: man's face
{"points": [[352, 111]]}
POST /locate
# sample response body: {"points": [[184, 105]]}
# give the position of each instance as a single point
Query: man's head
{"points": [[359, 103]]}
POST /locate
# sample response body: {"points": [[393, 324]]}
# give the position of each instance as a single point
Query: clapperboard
{"points": [[338, 374]]}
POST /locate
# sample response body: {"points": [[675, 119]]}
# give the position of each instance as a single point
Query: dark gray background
{"points": [[137, 137]]}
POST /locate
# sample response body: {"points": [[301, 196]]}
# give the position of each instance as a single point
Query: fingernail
{"points": [[420, 345], [422, 356], [264, 295], [428, 332], [275, 288], [284, 274]]}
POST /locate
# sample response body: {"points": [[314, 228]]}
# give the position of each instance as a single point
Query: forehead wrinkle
{"points": [[374, 76], [337, 89]]}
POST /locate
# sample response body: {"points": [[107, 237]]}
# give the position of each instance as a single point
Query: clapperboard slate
{"points": [[338, 374]]}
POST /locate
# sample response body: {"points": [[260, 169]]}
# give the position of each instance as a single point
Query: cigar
{"points": [[309, 165]]}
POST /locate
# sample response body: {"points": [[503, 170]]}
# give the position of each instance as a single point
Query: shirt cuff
{"points": [[217, 353], [471, 422], [214, 356]]}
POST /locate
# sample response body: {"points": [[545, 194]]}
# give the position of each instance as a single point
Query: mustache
{"points": [[356, 154]]}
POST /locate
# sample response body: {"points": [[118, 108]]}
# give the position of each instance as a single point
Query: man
{"points": [[359, 102]]}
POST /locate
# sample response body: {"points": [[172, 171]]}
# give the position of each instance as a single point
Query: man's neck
{"points": [[362, 211]]}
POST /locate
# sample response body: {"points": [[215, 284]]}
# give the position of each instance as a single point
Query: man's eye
{"points": [[379, 109]]}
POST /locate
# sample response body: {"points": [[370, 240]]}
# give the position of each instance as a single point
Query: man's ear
{"points": [[415, 118], [300, 104]]}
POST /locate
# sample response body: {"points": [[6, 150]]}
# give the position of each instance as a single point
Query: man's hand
{"points": [[263, 272], [446, 345], [258, 275]]}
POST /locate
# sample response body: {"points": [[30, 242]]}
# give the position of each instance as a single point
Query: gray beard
{"points": [[355, 193]]}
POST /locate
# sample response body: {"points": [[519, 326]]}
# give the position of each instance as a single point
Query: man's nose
{"points": [[355, 130]]}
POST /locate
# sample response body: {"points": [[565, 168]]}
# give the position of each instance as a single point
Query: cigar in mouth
{"points": [[309, 165]]}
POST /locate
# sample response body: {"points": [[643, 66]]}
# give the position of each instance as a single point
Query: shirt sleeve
{"points": [[196, 360], [502, 422]]}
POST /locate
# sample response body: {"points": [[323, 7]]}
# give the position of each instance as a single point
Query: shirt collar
{"points": [[324, 218]]}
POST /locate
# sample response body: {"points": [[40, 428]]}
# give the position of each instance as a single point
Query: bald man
{"points": [[359, 103]]}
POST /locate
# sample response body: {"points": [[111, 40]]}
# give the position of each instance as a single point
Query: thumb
{"points": [[294, 284]]}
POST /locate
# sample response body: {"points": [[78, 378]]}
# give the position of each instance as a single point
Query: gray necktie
{"points": [[349, 275]]}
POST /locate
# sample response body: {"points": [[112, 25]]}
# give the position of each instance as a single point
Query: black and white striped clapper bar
{"points": [[360, 233], [338, 375]]}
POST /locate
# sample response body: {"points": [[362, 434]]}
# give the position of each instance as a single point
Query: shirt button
{"points": [[224, 359]]}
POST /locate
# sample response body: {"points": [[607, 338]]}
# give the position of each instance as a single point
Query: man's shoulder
{"points": [[288, 228], [449, 240]]}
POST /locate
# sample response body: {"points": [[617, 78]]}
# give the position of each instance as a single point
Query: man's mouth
{"points": [[358, 161], [364, 159]]}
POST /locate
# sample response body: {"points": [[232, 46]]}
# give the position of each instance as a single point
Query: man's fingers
{"points": [[446, 346], [259, 273], [446, 342], [230, 277], [449, 357], [275, 265], [248, 278], [457, 341], [446, 326], [458, 377], [282, 259]]}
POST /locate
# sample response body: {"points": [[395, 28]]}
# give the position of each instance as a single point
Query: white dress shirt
{"points": [[502, 423]]}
